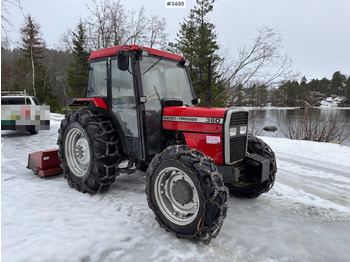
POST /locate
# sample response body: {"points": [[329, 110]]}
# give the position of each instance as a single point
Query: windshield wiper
{"points": [[153, 65]]}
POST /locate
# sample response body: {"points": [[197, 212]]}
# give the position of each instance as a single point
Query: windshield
{"points": [[162, 78]]}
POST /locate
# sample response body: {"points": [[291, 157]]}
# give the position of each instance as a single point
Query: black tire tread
{"points": [[105, 155], [254, 190], [212, 189]]}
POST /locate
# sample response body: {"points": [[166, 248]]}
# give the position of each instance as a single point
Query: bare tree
{"points": [[312, 126], [262, 62], [156, 32], [109, 24], [98, 24], [117, 16], [5, 5], [137, 26]]}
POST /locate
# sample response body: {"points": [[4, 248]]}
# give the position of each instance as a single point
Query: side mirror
{"points": [[123, 60], [199, 77], [196, 101]]}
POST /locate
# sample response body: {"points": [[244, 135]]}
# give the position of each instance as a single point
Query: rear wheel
{"points": [[186, 193], [88, 150], [32, 131], [252, 190]]}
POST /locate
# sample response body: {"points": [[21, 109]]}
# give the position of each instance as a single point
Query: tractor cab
{"points": [[136, 83]]}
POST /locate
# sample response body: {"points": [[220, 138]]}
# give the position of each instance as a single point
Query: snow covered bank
{"points": [[305, 217]]}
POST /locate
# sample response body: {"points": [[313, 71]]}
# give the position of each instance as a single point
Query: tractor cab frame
{"points": [[135, 84]]}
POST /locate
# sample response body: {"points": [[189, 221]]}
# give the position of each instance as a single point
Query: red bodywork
{"points": [[45, 163], [114, 50], [99, 102], [202, 128]]}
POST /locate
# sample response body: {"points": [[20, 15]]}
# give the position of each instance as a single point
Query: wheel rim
{"points": [[176, 196], [77, 152]]}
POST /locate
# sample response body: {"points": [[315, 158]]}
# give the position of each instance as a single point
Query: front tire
{"points": [[186, 193], [88, 150]]}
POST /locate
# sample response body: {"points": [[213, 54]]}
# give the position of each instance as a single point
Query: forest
{"points": [[258, 75]]}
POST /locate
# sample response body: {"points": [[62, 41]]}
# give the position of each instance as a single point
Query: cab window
{"points": [[97, 86]]}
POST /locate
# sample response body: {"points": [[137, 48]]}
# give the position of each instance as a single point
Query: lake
{"points": [[282, 117]]}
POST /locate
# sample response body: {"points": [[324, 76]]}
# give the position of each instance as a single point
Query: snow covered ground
{"points": [[305, 217]]}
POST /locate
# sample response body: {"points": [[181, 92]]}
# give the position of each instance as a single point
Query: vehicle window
{"points": [[97, 86], [36, 101], [164, 79], [123, 99], [14, 101]]}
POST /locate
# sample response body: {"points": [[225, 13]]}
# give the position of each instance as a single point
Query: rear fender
{"points": [[97, 102]]}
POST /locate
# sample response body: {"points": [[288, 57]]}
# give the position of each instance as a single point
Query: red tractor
{"points": [[140, 106]]}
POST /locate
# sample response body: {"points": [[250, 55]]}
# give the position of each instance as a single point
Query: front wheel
{"points": [[186, 193]]}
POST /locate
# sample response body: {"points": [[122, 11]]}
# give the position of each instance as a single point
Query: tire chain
{"points": [[106, 127], [206, 164], [253, 190]]}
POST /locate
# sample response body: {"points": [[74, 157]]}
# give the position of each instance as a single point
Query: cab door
{"points": [[124, 107]]}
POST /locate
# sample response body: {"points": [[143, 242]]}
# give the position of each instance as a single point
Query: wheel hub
{"points": [[77, 152], [182, 192], [176, 196], [81, 151]]}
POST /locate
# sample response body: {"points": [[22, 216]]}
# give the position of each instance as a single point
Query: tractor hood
{"points": [[194, 119]]}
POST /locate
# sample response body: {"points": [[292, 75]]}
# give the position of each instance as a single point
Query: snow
{"points": [[332, 102], [305, 216]]}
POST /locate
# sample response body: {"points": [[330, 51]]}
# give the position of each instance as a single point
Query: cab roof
{"points": [[114, 50]]}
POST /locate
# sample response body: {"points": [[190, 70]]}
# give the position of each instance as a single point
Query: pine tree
{"points": [[32, 54], [78, 72], [196, 40], [337, 83]]}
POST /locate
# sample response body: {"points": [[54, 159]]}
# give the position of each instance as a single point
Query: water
{"points": [[281, 118]]}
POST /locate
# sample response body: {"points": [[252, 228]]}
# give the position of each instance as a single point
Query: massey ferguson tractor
{"points": [[140, 106]]}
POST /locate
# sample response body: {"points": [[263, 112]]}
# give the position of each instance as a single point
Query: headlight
{"points": [[233, 131], [243, 130]]}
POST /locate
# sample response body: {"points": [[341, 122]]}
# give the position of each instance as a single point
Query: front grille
{"points": [[238, 143], [239, 118], [237, 148]]}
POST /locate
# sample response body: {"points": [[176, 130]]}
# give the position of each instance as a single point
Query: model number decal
{"points": [[207, 120], [212, 120]]}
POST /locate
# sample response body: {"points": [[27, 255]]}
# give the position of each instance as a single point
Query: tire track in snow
{"points": [[307, 162], [310, 190]]}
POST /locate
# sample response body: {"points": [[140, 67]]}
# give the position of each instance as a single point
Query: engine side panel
{"points": [[194, 119], [210, 144], [202, 128]]}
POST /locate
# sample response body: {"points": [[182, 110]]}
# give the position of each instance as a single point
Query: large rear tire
{"points": [[186, 193], [88, 150], [253, 190]]}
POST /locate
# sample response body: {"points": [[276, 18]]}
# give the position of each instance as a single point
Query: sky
{"points": [[315, 33]]}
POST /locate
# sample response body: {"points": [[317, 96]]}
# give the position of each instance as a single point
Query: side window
{"points": [[97, 79], [15, 101], [122, 85], [36, 101], [123, 100]]}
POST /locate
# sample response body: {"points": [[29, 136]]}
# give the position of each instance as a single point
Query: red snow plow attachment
{"points": [[45, 163]]}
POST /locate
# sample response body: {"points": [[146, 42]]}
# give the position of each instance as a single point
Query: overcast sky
{"points": [[316, 33]]}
